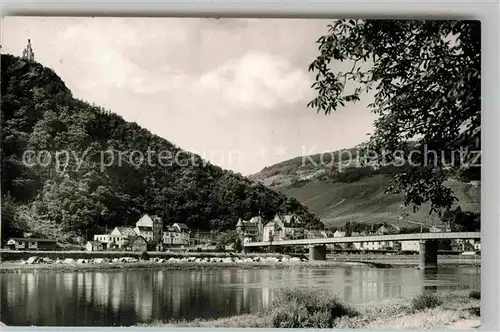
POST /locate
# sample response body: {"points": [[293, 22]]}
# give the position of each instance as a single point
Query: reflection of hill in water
{"points": [[127, 297]]}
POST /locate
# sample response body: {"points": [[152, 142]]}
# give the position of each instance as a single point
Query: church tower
{"points": [[28, 52]]}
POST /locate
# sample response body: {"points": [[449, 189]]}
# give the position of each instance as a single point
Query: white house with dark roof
{"points": [[149, 227], [176, 235], [119, 234]]}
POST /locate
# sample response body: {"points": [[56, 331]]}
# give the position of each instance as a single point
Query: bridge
{"points": [[427, 253]]}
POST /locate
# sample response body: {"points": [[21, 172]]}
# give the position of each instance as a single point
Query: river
{"points": [[127, 297]]}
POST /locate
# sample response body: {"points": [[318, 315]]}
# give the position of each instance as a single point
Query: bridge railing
{"points": [[370, 238]]}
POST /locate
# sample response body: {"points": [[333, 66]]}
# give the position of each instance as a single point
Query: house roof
{"points": [[182, 226], [124, 228], [316, 233], [145, 221], [132, 239], [287, 220], [255, 220], [32, 239]]}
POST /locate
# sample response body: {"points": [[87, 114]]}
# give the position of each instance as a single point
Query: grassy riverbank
{"points": [[309, 309]]}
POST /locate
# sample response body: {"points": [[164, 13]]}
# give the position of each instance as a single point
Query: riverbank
{"points": [[306, 309], [13, 267], [71, 265]]}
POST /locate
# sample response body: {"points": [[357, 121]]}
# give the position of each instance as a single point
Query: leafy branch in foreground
{"points": [[426, 81]]}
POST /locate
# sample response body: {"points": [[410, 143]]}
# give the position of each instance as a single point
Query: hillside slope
{"points": [[92, 188], [357, 197]]}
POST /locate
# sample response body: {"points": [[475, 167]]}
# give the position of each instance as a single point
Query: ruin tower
{"points": [[28, 52]]}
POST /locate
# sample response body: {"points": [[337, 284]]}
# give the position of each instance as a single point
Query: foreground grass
{"points": [[308, 309]]}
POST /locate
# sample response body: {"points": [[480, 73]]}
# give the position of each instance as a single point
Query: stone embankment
{"points": [[45, 260], [35, 264]]}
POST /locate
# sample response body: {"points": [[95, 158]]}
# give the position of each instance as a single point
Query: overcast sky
{"points": [[233, 90]]}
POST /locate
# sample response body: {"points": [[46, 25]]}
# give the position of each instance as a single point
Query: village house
{"points": [[150, 228], [410, 246], [282, 227], [315, 234], [250, 230], [94, 246], [202, 238], [270, 231], [176, 235], [155, 245], [377, 245], [31, 244], [105, 239], [371, 245], [136, 243], [463, 245], [290, 223], [338, 233], [118, 235]]}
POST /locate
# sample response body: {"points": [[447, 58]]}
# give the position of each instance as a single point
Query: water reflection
{"points": [[127, 297]]}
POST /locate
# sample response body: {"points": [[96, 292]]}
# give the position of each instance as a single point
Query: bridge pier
{"points": [[317, 253], [428, 254]]}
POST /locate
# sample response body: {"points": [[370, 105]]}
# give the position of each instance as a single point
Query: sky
{"points": [[232, 90]]}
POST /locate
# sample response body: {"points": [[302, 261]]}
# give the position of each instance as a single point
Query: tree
{"points": [[426, 77], [229, 238], [220, 246], [348, 229], [461, 221], [237, 245], [10, 224]]}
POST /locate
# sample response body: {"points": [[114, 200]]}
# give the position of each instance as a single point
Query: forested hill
{"points": [[86, 196], [339, 190]]}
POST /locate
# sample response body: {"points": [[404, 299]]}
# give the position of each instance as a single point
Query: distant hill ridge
{"points": [[356, 194]]}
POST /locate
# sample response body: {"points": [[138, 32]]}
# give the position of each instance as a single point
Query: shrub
{"points": [[307, 309], [426, 301], [476, 295]]}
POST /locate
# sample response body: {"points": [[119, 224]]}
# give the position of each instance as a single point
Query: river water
{"points": [[127, 297]]}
